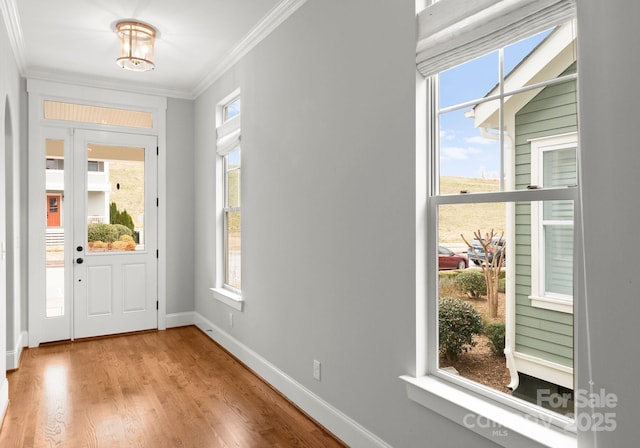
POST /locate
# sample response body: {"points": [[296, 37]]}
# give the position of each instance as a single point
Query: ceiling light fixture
{"points": [[136, 46]]}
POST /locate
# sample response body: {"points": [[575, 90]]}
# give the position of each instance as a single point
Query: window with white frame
{"points": [[553, 164], [228, 149], [500, 78]]}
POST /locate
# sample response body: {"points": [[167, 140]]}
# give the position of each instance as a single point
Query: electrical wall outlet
{"points": [[231, 319], [316, 369]]}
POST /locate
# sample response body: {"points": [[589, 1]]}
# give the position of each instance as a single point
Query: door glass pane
{"points": [[54, 253], [115, 198]]}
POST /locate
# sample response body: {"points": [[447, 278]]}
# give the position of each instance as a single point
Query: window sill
{"points": [[552, 303], [498, 423], [229, 298]]}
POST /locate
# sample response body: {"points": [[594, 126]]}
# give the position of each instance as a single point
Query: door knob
{"points": [[79, 260]]}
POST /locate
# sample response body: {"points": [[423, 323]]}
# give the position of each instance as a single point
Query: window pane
{"points": [[559, 168], [231, 110], [54, 110], [558, 211], [55, 234], [232, 179], [233, 249], [470, 81], [469, 159], [539, 58], [558, 259], [474, 315]]}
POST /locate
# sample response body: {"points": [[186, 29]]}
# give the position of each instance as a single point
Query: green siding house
{"points": [[541, 130]]}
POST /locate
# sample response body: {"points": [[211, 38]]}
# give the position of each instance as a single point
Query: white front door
{"points": [[115, 233]]}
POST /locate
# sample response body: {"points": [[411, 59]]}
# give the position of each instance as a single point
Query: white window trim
{"points": [[539, 298], [228, 139]]}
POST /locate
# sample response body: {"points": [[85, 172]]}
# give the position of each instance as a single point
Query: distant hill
{"points": [[468, 218]]}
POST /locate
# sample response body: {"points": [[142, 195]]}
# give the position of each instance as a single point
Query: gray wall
{"points": [[328, 145], [328, 191], [9, 91], [180, 206], [609, 96]]}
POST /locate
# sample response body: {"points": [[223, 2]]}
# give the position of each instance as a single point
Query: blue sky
{"points": [[463, 150]]}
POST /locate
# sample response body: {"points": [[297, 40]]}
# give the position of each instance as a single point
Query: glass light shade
{"points": [[136, 46]]}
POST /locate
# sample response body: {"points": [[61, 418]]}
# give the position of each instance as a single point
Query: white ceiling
{"points": [[74, 40]]}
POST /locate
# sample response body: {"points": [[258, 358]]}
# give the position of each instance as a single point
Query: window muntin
{"points": [[496, 137]]}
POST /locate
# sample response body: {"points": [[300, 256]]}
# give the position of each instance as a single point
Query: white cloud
{"points": [[454, 153], [479, 140], [447, 135]]}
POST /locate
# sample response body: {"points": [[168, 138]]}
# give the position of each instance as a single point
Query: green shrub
{"points": [[102, 232], [472, 283], [122, 230], [495, 332], [458, 321], [120, 217]]}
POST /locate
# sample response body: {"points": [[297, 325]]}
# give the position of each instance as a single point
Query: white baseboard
{"points": [[13, 356], [342, 426], [180, 319]]}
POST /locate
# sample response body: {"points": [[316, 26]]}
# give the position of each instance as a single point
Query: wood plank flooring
{"points": [[173, 388]]}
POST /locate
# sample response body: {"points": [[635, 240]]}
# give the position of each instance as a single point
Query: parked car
{"points": [[477, 255], [448, 259]]}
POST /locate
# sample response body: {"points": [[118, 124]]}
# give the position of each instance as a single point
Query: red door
{"points": [[53, 211]]}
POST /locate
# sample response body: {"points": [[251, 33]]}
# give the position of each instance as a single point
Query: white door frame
{"points": [[39, 129]]}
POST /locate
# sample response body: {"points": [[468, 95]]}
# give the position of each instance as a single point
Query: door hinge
{"points": [[157, 305], [157, 150], [157, 253], [157, 202]]}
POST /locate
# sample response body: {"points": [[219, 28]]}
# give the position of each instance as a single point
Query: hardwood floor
{"points": [[173, 388]]}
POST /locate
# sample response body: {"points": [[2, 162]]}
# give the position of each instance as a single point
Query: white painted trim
{"points": [[274, 18], [553, 304], [180, 319], [4, 399], [38, 91], [14, 31], [545, 370], [501, 425], [13, 356], [229, 298], [540, 299], [339, 424]]}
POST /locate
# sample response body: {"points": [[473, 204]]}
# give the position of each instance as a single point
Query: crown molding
{"points": [[105, 83], [274, 18], [14, 31]]}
